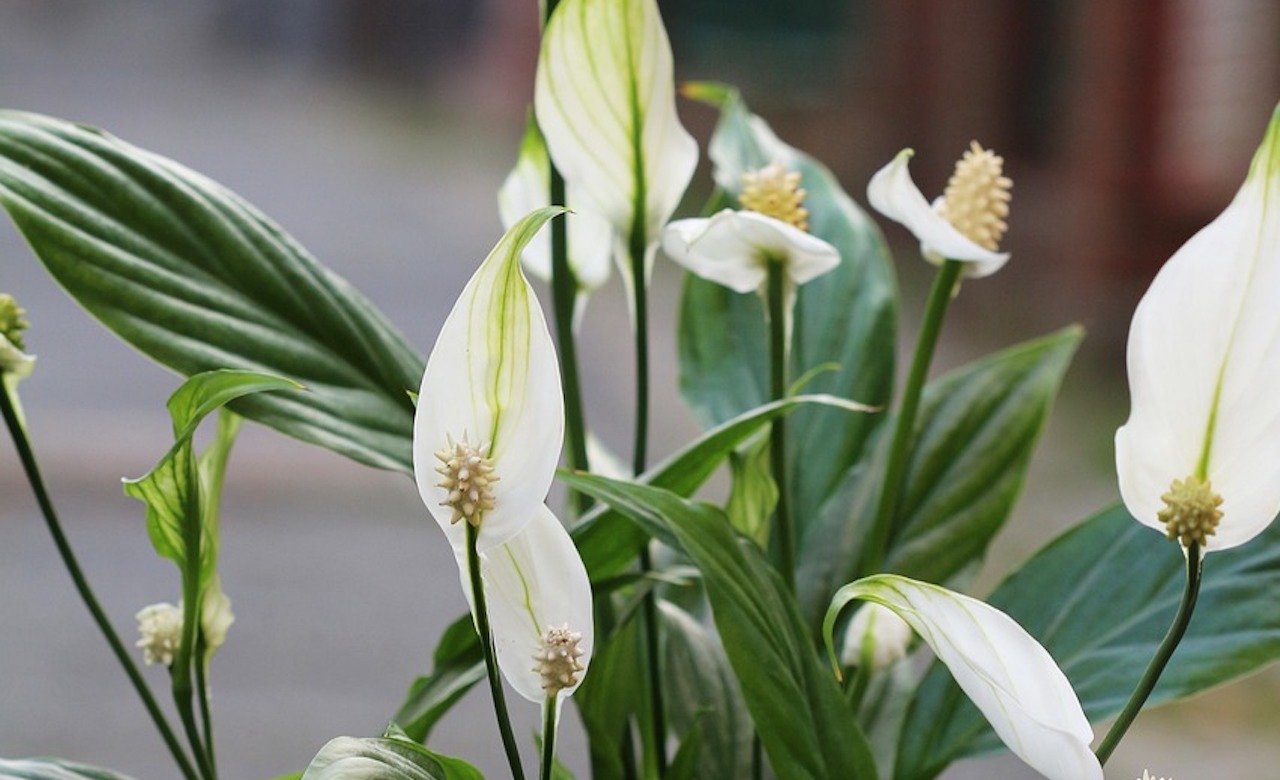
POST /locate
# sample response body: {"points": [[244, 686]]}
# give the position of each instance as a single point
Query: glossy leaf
{"points": [[52, 769], [977, 430], [1100, 598], [799, 713], [847, 317], [198, 279], [458, 664], [385, 758]]}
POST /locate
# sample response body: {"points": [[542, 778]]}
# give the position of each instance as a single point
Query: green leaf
{"points": [[847, 317], [752, 492], [799, 713], [977, 430], [52, 769], [708, 707], [458, 664], [395, 758], [609, 695], [198, 279], [609, 544], [1100, 598]]}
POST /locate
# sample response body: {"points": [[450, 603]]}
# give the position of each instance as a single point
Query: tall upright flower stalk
{"points": [[959, 232], [487, 436], [1199, 456], [604, 95]]}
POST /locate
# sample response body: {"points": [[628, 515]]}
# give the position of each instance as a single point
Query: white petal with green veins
{"points": [[493, 378], [605, 99]]}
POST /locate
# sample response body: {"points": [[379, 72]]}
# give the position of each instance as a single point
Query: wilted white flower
{"points": [[161, 628]]}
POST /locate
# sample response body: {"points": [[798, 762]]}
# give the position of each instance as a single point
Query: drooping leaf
{"points": [[610, 697], [52, 769], [385, 758], [977, 430], [458, 664], [198, 279], [847, 317], [1100, 599], [799, 713], [608, 543]]}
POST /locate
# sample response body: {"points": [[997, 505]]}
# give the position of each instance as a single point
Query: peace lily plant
{"points": [[694, 633]]}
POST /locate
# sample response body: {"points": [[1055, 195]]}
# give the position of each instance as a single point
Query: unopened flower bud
{"points": [[878, 634], [161, 629], [13, 360]]}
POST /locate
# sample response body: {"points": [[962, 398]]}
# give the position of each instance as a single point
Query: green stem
{"points": [[206, 716], [777, 294], [490, 655], [1161, 659], [182, 698], [32, 469], [944, 284], [564, 293], [184, 659], [549, 736]]}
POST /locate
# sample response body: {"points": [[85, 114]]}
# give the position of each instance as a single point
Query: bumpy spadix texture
{"points": [[964, 224], [1005, 672], [1204, 366], [775, 192], [14, 362], [467, 478], [492, 379], [160, 629], [559, 659], [1191, 512]]}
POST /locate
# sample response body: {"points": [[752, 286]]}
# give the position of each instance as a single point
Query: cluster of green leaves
{"points": [[199, 280]]}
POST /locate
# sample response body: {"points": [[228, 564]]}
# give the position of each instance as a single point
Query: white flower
{"points": [[877, 633], [490, 417], [1148, 776], [1005, 672], [527, 188], [1204, 375], [161, 628], [215, 616], [532, 584], [734, 248], [965, 224], [605, 100]]}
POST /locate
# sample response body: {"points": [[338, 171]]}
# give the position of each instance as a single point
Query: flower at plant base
{"points": [[161, 628], [1199, 457], [487, 436], [539, 599], [14, 362], [876, 634], [1005, 672], [735, 247], [590, 238], [1148, 776], [965, 224], [490, 416]]}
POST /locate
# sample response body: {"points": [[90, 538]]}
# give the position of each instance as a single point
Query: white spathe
{"points": [[1005, 672], [534, 582], [605, 100], [493, 378], [734, 248], [1204, 365], [528, 187], [894, 194]]}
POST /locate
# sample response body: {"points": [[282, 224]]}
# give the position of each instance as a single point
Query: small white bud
{"points": [[876, 631], [161, 629]]}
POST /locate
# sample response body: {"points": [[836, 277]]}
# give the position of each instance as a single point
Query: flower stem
{"points": [[549, 736], [206, 716], [1161, 659], [944, 283], [32, 469], [777, 295], [490, 655], [564, 298]]}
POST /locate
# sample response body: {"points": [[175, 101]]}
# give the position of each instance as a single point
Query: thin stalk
{"points": [[32, 469], [1161, 659], [564, 293], [202, 692], [944, 283], [491, 656], [549, 736], [180, 671], [777, 295]]}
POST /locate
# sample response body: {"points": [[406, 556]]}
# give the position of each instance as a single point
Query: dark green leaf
{"points": [[458, 665], [1100, 599], [197, 279], [803, 722], [706, 706], [610, 694], [609, 544], [52, 769], [977, 430], [847, 317]]}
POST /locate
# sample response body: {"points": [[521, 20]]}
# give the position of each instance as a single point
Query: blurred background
{"points": [[377, 132]]}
